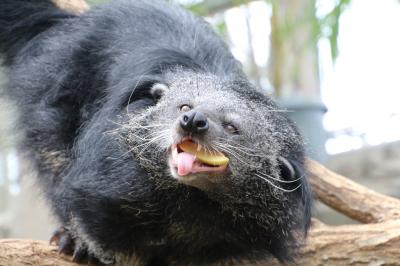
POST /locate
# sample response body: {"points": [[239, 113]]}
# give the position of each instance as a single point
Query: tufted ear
{"points": [[158, 90], [294, 174], [290, 169]]}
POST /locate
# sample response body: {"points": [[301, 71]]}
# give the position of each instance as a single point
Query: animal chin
{"points": [[189, 157]]}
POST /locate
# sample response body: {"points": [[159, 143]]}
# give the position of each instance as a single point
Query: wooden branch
{"points": [[367, 244], [15, 252], [350, 198]]}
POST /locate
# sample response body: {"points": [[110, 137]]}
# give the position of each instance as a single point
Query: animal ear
{"points": [[293, 172], [158, 90], [290, 169]]}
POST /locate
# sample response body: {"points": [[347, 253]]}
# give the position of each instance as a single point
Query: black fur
{"points": [[72, 76]]}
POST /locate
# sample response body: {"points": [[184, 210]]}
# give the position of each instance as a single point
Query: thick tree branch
{"points": [[367, 244], [350, 198], [17, 252]]}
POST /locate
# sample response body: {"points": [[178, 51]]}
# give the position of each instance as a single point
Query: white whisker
{"points": [[133, 90], [277, 187], [233, 154], [279, 180]]}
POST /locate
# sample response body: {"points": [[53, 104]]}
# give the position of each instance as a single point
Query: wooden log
{"points": [[367, 244], [17, 252], [350, 198]]}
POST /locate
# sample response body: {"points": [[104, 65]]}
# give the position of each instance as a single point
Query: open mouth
{"points": [[189, 157]]}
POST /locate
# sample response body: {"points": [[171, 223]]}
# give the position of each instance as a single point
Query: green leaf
{"points": [[330, 25]]}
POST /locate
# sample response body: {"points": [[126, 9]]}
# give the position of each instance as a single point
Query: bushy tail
{"points": [[23, 20]]}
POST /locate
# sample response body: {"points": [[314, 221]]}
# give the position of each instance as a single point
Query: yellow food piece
{"points": [[205, 156]]}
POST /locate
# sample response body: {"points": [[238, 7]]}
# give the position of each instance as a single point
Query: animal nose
{"points": [[194, 122]]}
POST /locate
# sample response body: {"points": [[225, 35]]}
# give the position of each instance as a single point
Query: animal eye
{"points": [[231, 128], [185, 108]]}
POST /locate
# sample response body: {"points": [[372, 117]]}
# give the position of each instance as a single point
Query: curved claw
{"points": [[63, 239], [68, 245]]}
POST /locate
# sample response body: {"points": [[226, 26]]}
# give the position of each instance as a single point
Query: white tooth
{"points": [[174, 152]]}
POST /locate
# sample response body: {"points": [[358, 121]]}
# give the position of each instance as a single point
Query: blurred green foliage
{"points": [[326, 26], [209, 7]]}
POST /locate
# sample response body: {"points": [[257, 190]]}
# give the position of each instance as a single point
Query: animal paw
{"points": [[68, 245]]}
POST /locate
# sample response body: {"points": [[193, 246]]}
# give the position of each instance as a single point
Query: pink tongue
{"points": [[185, 163]]}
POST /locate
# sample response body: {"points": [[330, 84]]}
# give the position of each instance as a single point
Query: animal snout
{"points": [[194, 122]]}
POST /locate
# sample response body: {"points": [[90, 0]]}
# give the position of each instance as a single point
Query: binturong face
{"points": [[215, 136], [197, 161]]}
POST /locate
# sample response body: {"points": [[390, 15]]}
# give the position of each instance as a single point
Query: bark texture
{"points": [[350, 198], [18, 252]]}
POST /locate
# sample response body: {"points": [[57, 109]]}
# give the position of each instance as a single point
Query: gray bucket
{"points": [[308, 116]]}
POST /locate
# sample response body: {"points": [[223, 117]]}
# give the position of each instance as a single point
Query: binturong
{"points": [[151, 145]]}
